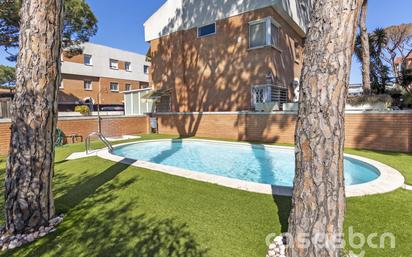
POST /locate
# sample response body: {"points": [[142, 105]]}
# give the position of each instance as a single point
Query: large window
{"points": [[114, 87], [88, 59], [206, 30], [114, 64], [264, 32], [128, 87], [88, 85]]}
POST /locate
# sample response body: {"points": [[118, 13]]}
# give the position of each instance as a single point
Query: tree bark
{"points": [[28, 194], [318, 204], [364, 36]]}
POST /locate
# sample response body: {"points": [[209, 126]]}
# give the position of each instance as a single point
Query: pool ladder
{"points": [[101, 137]]}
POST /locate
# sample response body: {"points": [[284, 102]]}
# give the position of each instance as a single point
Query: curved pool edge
{"points": [[389, 179]]}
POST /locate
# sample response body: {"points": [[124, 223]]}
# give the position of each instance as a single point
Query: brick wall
{"points": [[83, 126], [215, 73], [375, 131]]}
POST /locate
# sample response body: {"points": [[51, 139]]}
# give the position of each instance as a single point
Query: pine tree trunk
{"points": [[28, 194], [364, 36], [318, 204]]}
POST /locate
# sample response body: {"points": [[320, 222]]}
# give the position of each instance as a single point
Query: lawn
{"points": [[118, 210]]}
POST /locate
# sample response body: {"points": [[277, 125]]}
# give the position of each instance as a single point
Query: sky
{"points": [[121, 23]]}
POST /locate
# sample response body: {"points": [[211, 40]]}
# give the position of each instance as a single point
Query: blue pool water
{"points": [[255, 163]]}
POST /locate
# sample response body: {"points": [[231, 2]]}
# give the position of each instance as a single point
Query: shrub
{"points": [[83, 109], [370, 99]]}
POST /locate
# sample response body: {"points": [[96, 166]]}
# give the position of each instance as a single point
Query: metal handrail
{"points": [[101, 137]]}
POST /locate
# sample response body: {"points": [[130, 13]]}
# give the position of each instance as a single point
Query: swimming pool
{"points": [[248, 162]]}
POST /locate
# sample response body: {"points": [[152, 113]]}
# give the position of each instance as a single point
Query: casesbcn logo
{"points": [[356, 241]]}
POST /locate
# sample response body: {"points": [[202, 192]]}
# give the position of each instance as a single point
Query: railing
{"points": [[101, 137]]}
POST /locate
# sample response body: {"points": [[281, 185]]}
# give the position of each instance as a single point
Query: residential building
{"points": [[229, 55], [408, 62], [355, 89], [100, 73]]}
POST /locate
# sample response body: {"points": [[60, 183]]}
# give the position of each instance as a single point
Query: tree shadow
{"points": [[103, 219], [176, 146], [284, 206], [81, 191], [379, 131]]}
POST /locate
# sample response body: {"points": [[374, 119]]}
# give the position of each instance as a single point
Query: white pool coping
{"points": [[389, 179]]}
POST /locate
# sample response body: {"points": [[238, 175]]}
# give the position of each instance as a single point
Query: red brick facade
{"points": [[73, 91], [216, 72]]}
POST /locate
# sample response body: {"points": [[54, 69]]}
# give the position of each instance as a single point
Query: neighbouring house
{"points": [[99, 75], [408, 62], [231, 55], [355, 89]]}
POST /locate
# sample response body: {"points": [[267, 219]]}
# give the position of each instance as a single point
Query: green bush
{"points": [[370, 99], [407, 100], [83, 109]]}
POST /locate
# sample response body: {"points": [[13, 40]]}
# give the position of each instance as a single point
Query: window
{"points": [[61, 86], [114, 87], [128, 66], [261, 94], [206, 30], [264, 32], [88, 85], [114, 64], [128, 87], [87, 58], [146, 69]]}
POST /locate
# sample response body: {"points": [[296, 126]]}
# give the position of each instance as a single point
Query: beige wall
{"points": [[215, 73]]}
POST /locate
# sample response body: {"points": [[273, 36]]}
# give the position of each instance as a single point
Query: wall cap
{"points": [[276, 113]]}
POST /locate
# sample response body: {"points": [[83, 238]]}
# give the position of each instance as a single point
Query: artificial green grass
{"points": [[118, 210]]}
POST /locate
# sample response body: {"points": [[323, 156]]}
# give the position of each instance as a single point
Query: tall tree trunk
{"points": [[364, 36], [318, 203], [28, 194]]}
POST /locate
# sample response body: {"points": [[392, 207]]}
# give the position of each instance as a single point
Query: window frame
{"points": [[126, 85], [268, 21], [207, 35], [84, 85], [114, 83], [113, 67], [91, 60]]}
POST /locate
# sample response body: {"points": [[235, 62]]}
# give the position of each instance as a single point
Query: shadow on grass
{"points": [[284, 206], [103, 218]]}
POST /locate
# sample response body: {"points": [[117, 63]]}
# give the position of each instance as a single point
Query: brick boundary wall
{"points": [[368, 130], [374, 130], [83, 126]]}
